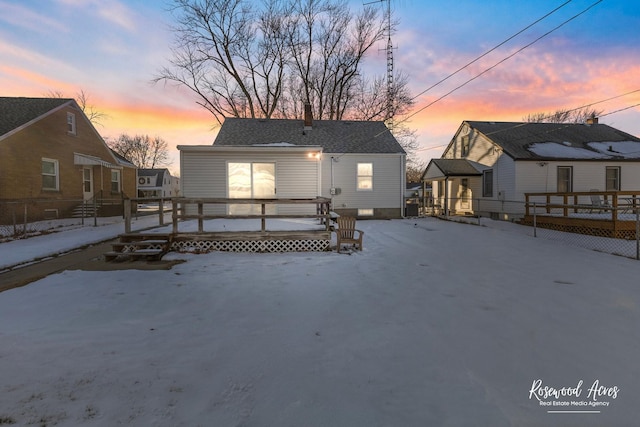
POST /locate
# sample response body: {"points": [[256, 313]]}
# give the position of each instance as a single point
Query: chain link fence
{"points": [[613, 230]]}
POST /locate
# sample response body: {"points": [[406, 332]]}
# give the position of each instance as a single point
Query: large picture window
{"points": [[613, 178], [487, 183], [50, 174], [365, 176], [565, 179]]}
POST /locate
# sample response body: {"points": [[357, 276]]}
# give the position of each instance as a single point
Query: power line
{"points": [[502, 61], [560, 125], [492, 49]]}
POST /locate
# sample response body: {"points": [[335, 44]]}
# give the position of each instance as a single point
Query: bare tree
{"points": [[142, 150], [578, 115], [82, 98], [246, 60]]}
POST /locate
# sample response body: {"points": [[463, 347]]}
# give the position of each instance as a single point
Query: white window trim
{"points": [[56, 174], [365, 212], [119, 181], [358, 176], [487, 182], [618, 170], [71, 124]]}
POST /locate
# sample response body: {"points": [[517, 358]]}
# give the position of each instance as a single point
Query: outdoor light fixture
{"points": [[314, 156]]}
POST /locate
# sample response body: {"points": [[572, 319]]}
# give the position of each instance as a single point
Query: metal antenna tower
{"points": [[390, 87]]}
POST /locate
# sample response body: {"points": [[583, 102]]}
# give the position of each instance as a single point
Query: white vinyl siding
{"points": [[388, 181], [204, 174]]}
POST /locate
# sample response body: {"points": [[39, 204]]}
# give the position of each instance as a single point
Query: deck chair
{"points": [[597, 204], [346, 233]]}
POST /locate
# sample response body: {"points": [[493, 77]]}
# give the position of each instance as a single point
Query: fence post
{"points": [[535, 234], [637, 233], [24, 229], [161, 210], [174, 215], [95, 212], [127, 216]]}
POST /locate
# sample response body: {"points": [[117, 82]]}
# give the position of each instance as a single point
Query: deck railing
{"points": [[184, 209], [566, 204]]}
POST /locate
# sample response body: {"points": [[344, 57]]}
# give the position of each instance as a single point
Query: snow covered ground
{"points": [[435, 323]]}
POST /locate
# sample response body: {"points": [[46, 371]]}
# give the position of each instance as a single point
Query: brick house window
{"points": [[50, 173], [71, 123], [115, 181]]}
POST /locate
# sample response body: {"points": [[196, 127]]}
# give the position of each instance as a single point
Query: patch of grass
{"points": [[6, 420]]}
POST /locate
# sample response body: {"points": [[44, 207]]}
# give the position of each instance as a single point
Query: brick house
{"points": [[52, 159]]}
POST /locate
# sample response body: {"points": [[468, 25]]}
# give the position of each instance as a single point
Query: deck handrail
{"points": [[323, 210]]}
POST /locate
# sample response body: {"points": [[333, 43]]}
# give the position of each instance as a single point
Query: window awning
{"points": [[87, 160]]}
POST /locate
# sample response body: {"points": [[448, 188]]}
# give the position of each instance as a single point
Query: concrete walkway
{"points": [[86, 258]]}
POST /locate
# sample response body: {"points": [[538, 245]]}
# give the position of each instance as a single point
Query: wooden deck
{"points": [[616, 216], [188, 212]]}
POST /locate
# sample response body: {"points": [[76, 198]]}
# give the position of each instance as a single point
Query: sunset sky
{"points": [[112, 50]]}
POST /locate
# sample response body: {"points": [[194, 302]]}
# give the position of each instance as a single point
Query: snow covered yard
{"points": [[435, 323]]}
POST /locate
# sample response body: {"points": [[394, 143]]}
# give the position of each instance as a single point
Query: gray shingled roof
{"points": [[333, 136], [158, 173], [458, 167], [515, 138], [15, 112]]}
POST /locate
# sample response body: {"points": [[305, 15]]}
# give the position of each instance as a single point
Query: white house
{"points": [[489, 166], [358, 164], [156, 183]]}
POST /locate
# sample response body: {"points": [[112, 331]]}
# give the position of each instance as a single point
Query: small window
{"points": [[487, 183], [613, 178], [365, 176], [565, 179], [71, 123], [365, 212], [464, 146], [49, 174], [115, 181]]}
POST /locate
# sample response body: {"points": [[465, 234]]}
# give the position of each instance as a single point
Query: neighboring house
{"points": [[358, 164], [52, 157], [489, 166], [157, 183]]}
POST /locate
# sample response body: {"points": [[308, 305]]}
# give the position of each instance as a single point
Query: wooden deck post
{"points": [[161, 210], [548, 203], [200, 216], [263, 221]]}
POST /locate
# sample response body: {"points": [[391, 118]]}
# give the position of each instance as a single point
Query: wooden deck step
{"points": [[136, 246]]}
